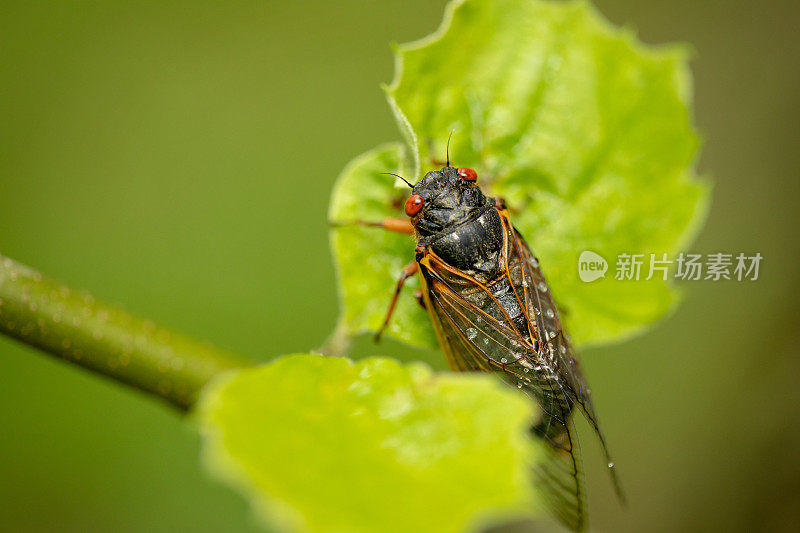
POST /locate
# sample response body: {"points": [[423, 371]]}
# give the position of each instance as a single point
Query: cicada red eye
{"points": [[413, 204], [467, 174]]}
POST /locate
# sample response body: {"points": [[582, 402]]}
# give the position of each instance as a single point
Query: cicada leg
{"points": [[397, 225], [408, 271]]}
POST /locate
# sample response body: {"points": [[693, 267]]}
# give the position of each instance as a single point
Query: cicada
{"points": [[493, 311]]}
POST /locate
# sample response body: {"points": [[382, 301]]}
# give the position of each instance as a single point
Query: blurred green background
{"points": [[177, 159]]}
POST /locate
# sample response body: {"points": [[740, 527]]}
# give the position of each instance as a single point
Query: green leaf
{"points": [[585, 132], [324, 444]]}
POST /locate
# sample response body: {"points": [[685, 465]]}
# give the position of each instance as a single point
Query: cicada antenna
{"points": [[398, 176], [448, 146]]}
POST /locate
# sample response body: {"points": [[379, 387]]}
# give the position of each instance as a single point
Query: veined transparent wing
{"points": [[510, 325], [478, 333]]}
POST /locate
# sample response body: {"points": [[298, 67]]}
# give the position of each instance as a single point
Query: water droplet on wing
{"points": [[542, 286]]}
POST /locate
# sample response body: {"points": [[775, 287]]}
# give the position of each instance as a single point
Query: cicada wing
{"points": [[559, 477], [474, 340], [472, 315], [559, 474], [463, 354], [556, 348]]}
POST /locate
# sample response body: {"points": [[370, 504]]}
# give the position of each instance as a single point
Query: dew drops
{"points": [[478, 320], [534, 262], [486, 341], [611, 464], [525, 283], [472, 333], [504, 360], [562, 349], [550, 313], [542, 286], [519, 385], [526, 369]]}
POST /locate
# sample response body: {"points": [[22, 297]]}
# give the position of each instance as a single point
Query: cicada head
{"points": [[444, 199]]}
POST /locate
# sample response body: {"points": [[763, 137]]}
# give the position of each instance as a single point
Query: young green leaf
{"points": [[323, 444], [584, 131]]}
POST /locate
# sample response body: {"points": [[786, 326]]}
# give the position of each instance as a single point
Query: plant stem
{"points": [[72, 325]]}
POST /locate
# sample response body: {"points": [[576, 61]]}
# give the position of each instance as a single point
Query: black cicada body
{"points": [[493, 311]]}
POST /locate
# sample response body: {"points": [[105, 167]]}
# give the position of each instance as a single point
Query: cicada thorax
{"points": [[474, 247]]}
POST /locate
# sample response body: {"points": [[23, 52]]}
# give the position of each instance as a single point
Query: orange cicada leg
{"points": [[408, 271], [395, 224]]}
